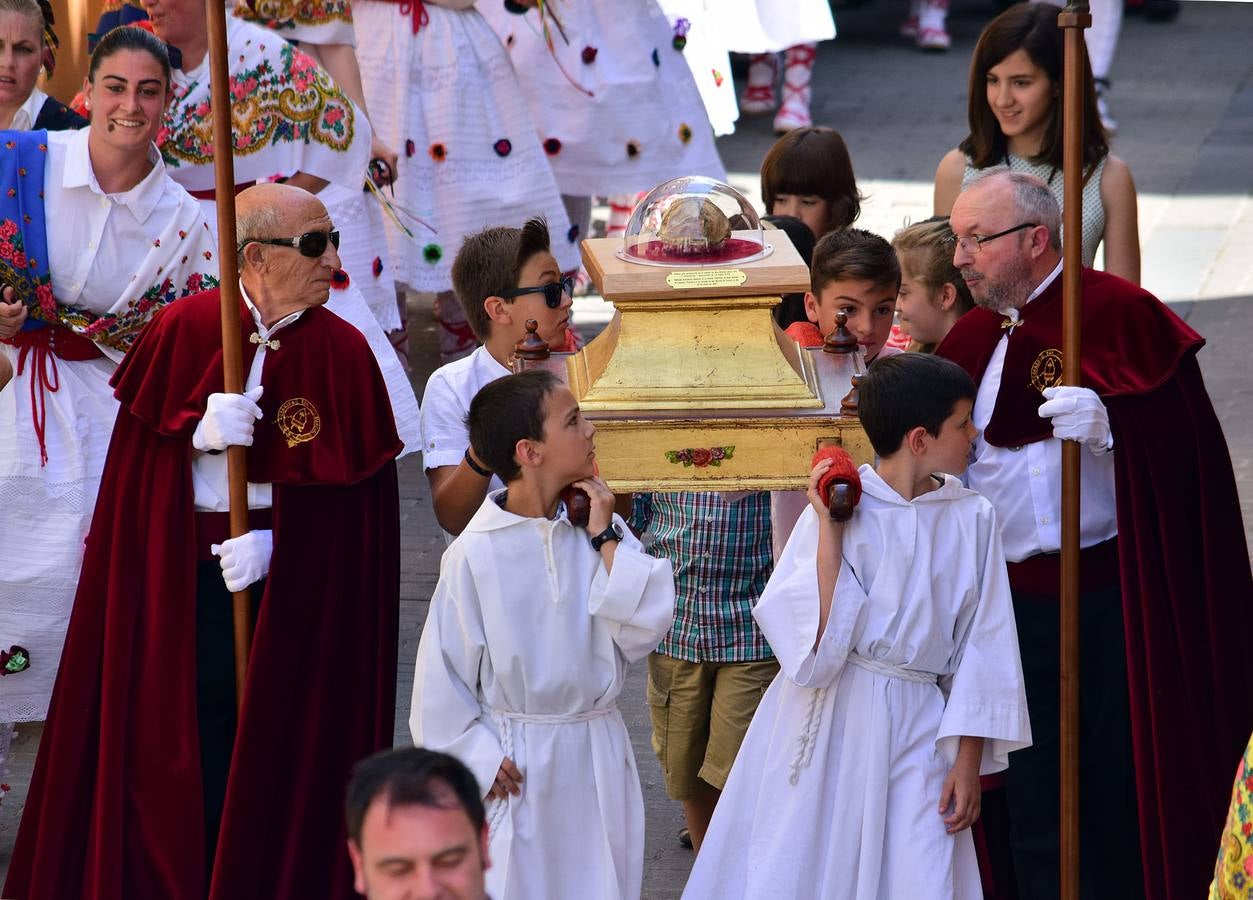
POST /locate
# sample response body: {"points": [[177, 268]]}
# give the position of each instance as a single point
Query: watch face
{"points": [[616, 529]]}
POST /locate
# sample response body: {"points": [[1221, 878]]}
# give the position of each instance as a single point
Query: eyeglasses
{"points": [[552, 292], [972, 243], [311, 244]]}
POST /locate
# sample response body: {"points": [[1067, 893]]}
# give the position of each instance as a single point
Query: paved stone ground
{"points": [[1184, 96]]}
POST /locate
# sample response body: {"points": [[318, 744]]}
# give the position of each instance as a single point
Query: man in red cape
{"points": [[145, 786], [1166, 689]]}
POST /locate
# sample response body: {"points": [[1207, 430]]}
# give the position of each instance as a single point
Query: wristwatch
{"points": [[612, 533]]}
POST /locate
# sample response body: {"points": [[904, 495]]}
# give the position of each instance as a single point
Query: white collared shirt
{"points": [[100, 239], [1025, 483], [26, 114], [208, 470]]}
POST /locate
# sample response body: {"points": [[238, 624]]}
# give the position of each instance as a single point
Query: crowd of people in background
{"points": [[456, 150]]}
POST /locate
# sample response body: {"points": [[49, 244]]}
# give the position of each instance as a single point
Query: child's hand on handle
{"points": [[508, 781], [816, 497], [602, 500], [961, 797]]}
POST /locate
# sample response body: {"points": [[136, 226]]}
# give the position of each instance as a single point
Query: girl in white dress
{"points": [[122, 239], [900, 683]]}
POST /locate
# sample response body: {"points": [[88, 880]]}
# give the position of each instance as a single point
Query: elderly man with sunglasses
{"points": [[146, 780], [1166, 692]]}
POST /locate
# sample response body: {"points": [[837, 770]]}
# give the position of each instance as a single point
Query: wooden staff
{"points": [[228, 271], [1072, 20]]}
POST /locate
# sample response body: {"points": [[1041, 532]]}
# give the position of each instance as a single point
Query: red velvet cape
{"points": [[115, 807], [1184, 566]]}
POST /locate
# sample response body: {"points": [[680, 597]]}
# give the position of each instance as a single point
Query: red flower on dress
{"points": [[589, 55], [502, 147], [410, 148], [632, 149], [552, 146], [377, 266], [438, 152], [208, 254], [339, 279], [182, 235]]}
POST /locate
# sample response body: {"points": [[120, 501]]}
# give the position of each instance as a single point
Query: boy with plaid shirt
{"points": [[709, 673]]}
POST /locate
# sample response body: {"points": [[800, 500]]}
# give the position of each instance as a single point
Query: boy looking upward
{"points": [[525, 650], [901, 681], [502, 276]]}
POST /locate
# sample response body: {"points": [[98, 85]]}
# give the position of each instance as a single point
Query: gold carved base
{"points": [[719, 455]]}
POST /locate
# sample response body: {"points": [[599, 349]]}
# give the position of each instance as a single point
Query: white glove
{"points": [[1078, 415], [228, 421], [245, 559]]}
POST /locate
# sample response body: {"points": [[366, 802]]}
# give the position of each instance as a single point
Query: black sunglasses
{"points": [[552, 292], [311, 244]]}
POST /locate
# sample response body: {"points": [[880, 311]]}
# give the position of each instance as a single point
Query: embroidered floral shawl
{"points": [[307, 21], [288, 116], [180, 262]]}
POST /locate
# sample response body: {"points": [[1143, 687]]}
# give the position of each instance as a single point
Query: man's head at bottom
{"points": [[416, 827]]}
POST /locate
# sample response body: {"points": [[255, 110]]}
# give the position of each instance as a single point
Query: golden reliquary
{"points": [[692, 385]]}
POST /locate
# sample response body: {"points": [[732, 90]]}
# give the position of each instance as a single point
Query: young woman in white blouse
{"points": [[118, 239]]}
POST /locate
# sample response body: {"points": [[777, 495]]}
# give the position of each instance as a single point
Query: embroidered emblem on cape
{"points": [[299, 421], [1046, 371]]}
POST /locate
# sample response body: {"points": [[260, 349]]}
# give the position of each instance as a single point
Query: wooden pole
{"points": [[1072, 20], [228, 270]]}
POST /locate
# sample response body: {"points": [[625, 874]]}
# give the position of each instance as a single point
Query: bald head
{"points": [[283, 277], [1022, 197]]}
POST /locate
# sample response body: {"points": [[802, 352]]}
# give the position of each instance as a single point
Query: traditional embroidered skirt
{"points": [[44, 515], [447, 100], [644, 123]]}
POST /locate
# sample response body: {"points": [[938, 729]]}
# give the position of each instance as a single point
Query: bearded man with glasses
{"points": [[1166, 692], [146, 785]]}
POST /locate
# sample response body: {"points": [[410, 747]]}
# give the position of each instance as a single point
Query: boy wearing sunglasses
{"points": [[502, 277]]}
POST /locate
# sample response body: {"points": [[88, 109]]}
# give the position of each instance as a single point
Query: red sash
{"points": [[42, 346]]}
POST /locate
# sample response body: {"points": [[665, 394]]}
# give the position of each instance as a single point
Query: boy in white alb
{"points": [[502, 276], [525, 650], [901, 681]]}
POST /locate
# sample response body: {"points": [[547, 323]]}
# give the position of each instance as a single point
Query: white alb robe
{"points": [[523, 655], [836, 788]]}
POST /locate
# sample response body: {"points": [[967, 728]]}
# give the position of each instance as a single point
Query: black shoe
{"points": [[685, 838]]}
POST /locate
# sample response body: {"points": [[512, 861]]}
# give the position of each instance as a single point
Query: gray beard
{"points": [[1011, 292]]}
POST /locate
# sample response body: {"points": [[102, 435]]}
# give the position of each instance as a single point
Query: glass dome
{"points": [[693, 221]]}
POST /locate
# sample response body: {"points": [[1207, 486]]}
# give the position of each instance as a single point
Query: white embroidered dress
{"points": [[836, 787], [101, 257], [769, 26], [645, 122], [447, 100], [523, 655], [363, 250], [332, 141]]}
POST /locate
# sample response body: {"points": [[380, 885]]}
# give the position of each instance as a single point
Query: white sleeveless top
{"points": [[1093, 210]]}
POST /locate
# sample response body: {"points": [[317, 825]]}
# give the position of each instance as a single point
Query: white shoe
{"points": [[798, 69], [933, 39], [759, 97]]}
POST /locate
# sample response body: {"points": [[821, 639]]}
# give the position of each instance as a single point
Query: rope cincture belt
{"points": [[813, 718], [504, 719], [41, 346], [891, 671]]}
